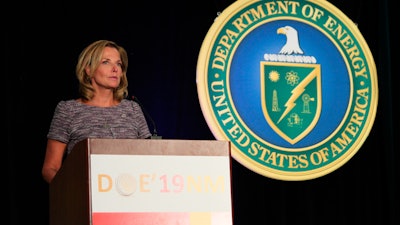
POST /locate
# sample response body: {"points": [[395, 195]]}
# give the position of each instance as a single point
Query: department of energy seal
{"points": [[291, 84]]}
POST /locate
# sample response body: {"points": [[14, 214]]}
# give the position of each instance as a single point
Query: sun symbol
{"points": [[274, 76]]}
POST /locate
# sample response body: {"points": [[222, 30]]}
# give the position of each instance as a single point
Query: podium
{"points": [[143, 182]]}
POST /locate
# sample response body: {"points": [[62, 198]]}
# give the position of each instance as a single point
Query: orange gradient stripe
{"points": [[157, 218]]}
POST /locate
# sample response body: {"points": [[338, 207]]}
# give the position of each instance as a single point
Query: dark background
{"points": [[163, 39]]}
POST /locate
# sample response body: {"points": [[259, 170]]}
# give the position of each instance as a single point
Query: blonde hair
{"points": [[91, 56]]}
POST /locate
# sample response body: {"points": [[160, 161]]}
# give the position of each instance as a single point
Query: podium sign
{"points": [[146, 182]]}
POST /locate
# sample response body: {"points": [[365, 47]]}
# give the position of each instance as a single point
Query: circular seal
{"points": [[291, 84]]}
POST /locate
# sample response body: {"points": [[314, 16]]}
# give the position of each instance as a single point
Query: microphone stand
{"points": [[147, 115]]}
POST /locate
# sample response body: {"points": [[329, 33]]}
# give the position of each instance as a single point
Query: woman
{"points": [[102, 111]]}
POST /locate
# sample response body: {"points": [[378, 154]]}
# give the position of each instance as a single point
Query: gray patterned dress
{"points": [[74, 121]]}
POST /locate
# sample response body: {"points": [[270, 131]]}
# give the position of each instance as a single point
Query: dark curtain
{"points": [[163, 39]]}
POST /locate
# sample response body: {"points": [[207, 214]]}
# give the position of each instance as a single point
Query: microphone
{"points": [[147, 115]]}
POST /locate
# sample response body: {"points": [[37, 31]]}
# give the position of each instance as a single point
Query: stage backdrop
{"points": [[163, 39]]}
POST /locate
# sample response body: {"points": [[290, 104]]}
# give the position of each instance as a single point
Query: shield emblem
{"points": [[291, 98]]}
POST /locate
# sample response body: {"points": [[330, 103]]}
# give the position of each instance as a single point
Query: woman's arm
{"points": [[53, 159]]}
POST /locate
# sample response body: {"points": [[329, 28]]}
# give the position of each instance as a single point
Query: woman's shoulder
{"points": [[129, 103], [69, 105]]}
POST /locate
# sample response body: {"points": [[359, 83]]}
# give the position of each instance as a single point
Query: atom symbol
{"points": [[292, 78]]}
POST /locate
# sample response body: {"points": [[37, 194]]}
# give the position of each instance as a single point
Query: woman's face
{"points": [[108, 74]]}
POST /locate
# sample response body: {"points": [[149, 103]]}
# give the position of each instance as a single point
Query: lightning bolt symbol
{"points": [[296, 92]]}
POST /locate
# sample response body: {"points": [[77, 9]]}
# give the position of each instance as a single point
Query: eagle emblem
{"points": [[292, 45]]}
